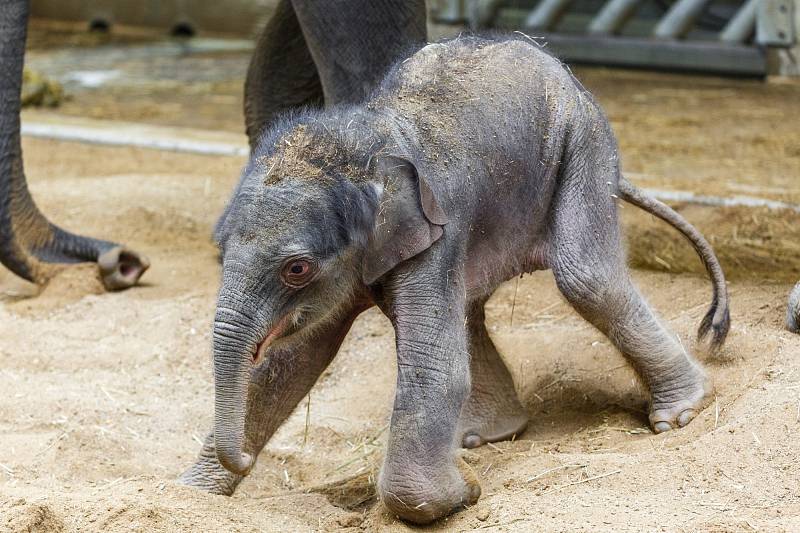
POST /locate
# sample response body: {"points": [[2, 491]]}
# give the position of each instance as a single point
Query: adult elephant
{"points": [[310, 52]]}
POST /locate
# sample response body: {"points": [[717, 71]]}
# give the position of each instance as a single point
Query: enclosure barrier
{"points": [[754, 38], [178, 17]]}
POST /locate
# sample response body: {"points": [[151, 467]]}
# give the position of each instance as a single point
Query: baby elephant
{"points": [[475, 161]]}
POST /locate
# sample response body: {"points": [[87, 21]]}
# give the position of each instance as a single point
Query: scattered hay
{"points": [[40, 91], [756, 243]]}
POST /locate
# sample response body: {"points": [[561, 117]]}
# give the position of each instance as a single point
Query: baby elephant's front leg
{"points": [[421, 479]]}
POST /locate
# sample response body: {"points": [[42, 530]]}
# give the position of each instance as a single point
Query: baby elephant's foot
{"points": [[208, 475], [492, 426], [674, 407], [492, 418], [423, 498]]}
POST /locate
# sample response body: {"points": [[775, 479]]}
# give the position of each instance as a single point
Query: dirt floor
{"points": [[107, 396]]}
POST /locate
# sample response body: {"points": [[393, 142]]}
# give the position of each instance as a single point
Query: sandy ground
{"points": [[106, 396]]}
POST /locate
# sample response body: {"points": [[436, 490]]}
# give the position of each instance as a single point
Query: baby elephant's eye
{"points": [[298, 272]]}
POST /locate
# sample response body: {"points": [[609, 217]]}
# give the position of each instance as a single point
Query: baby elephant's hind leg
{"points": [[588, 263], [604, 294], [492, 411]]}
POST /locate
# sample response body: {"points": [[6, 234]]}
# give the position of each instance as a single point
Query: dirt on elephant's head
{"points": [[317, 151]]}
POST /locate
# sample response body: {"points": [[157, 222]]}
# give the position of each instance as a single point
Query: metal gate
{"points": [[744, 37]]}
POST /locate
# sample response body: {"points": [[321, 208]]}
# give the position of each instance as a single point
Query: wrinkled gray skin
{"points": [[474, 162], [793, 311], [310, 53]]}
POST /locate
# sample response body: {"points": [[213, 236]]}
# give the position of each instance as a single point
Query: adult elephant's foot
{"points": [[675, 406], [793, 311], [491, 418], [208, 475]]}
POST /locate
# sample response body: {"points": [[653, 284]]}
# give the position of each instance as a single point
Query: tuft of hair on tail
{"points": [[717, 322]]}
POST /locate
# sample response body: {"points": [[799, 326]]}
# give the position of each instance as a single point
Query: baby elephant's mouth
{"points": [[282, 328]]}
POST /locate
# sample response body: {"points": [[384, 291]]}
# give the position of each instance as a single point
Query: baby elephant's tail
{"points": [[717, 319]]}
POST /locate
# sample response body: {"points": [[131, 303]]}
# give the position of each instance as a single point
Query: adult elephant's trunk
{"points": [[29, 243], [234, 346]]}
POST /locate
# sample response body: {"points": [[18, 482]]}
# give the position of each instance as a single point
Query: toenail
{"points": [[661, 427], [471, 440], [686, 417]]}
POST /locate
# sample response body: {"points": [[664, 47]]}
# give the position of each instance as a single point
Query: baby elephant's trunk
{"points": [[233, 349], [717, 320]]}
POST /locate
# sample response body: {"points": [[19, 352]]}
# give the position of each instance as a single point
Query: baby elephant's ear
{"points": [[408, 221]]}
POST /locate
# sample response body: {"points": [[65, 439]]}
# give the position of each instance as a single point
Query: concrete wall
{"points": [[237, 17]]}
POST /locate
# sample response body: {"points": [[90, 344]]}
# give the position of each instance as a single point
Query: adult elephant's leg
{"points": [[492, 411], [331, 51], [276, 387], [30, 246], [793, 311], [354, 42], [281, 75]]}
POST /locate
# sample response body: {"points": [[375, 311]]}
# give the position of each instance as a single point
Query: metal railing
{"points": [[748, 32]]}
